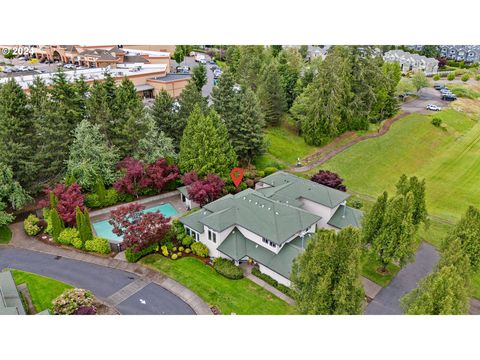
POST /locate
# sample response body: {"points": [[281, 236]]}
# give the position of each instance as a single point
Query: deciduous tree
{"points": [[327, 275], [11, 191], [329, 179], [206, 190], [199, 76]]}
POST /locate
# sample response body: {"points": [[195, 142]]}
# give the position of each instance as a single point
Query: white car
{"points": [[433, 107]]}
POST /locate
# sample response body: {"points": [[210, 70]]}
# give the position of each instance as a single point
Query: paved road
{"points": [[102, 281], [425, 96], [387, 302]]}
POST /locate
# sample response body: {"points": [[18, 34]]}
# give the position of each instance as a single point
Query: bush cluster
{"points": [[227, 268], [270, 170], [69, 236], [437, 122], [71, 300], [109, 198], [133, 256], [465, 77], [199, 249], [98, 245], [451, 76], [285, 289], [31, 225]]}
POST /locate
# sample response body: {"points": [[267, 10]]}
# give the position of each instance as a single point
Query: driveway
{"points": [[190, 61], [425, 96], [387, 302], [105, 283]]}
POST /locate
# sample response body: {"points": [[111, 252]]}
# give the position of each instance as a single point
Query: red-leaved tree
{"points": [[329, 179], [160, 174], [68, 199], [189, 178], [139, 230], [206, 190]]}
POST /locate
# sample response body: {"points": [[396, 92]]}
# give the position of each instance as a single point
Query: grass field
{"points": [[230, 296], [42, 289], [369, 269], [448, 158], [5, 234]]}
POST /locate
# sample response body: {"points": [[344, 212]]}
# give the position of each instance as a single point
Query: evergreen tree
{"points": [[199, 76], [91, 157], [276, 49], [110, 88], [87, 224], [327, 274], [373, 220], [154, 145], [187, 101], [239, 110], [164, 115], [57, 224], [250, 61], [233, 59], [205, 147], [271, 95], [99, 111], [289, 67], [440, 293], [16, 133], [387, 104], [395, 240]]}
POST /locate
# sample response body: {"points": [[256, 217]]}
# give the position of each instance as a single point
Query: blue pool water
{"points": [[104, 229]]}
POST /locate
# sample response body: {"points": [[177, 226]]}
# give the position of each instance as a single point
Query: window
{"points": [[265, 241], [272, 244], [212, 236], [184, 199]]}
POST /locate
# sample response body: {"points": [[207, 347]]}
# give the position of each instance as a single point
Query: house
{"points": [[10, 301], [467, 53], [271, 223], [412, 62]]}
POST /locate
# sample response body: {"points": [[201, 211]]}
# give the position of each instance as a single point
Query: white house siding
{"points": [[189, 204], [274, 275], [325, 212], [257, 239], [212, 246]]}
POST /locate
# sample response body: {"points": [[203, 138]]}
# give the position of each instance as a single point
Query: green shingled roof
{"points": [[345, 216], [238, 246], [265, 217], [288, 186], [193, 220]]}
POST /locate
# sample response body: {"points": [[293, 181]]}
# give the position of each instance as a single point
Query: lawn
{"points": [[230, 296], [370, 266], [5, 234], [448, 158], [284, 147], [42, 289]]}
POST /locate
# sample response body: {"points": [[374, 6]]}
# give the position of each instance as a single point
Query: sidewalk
{"points": [[22, 241]]}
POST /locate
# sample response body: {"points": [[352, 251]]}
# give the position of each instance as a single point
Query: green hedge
{"points": [[285, 289], [69, 236], [227, 268], [132, 256], [98, 245]]}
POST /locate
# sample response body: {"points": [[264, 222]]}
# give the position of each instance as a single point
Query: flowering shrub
{"points": [[71, 300], [86, 310], [199, 249], [31, 225], [69, 236], [98, 245]]}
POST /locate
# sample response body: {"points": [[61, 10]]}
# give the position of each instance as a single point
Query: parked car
{"points": [[449, 97], [183, 69], [203, 61], [212, 62], [69, 66], [439, 87], [7, 71], [433, 107]]}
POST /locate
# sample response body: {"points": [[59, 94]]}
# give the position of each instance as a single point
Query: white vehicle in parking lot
{"points": [[433, 107]]}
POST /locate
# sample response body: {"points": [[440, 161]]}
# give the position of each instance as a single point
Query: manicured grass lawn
{"points": [[370, 266], [5, 234], [449, 160], [43, 290], [284, 147], [237, 296]]}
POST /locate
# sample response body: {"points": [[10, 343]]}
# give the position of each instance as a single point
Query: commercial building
{"points": [[271, 224]]}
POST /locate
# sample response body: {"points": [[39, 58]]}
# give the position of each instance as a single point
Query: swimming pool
{"points": [[104, 229]]}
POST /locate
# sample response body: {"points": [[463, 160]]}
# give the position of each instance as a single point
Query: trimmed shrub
{"points": [[71, 300], [174, 257], [47, 218], [188, 251], [57, 224], [164, 250], [437, 122], [174, 249], [451, 76], [465, 77], [179, 254], [77, 243], [227, 268], [31, 225], [270, 170], [181, 248], [187, 241], [132, 256], [260, 173], [285, 289], [436, 77], [69, 236], [94, 200], [199, 249], [98, 245], [356, 204]]}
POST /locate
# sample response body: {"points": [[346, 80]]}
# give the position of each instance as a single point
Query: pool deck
{"points": [[172, 197]]}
